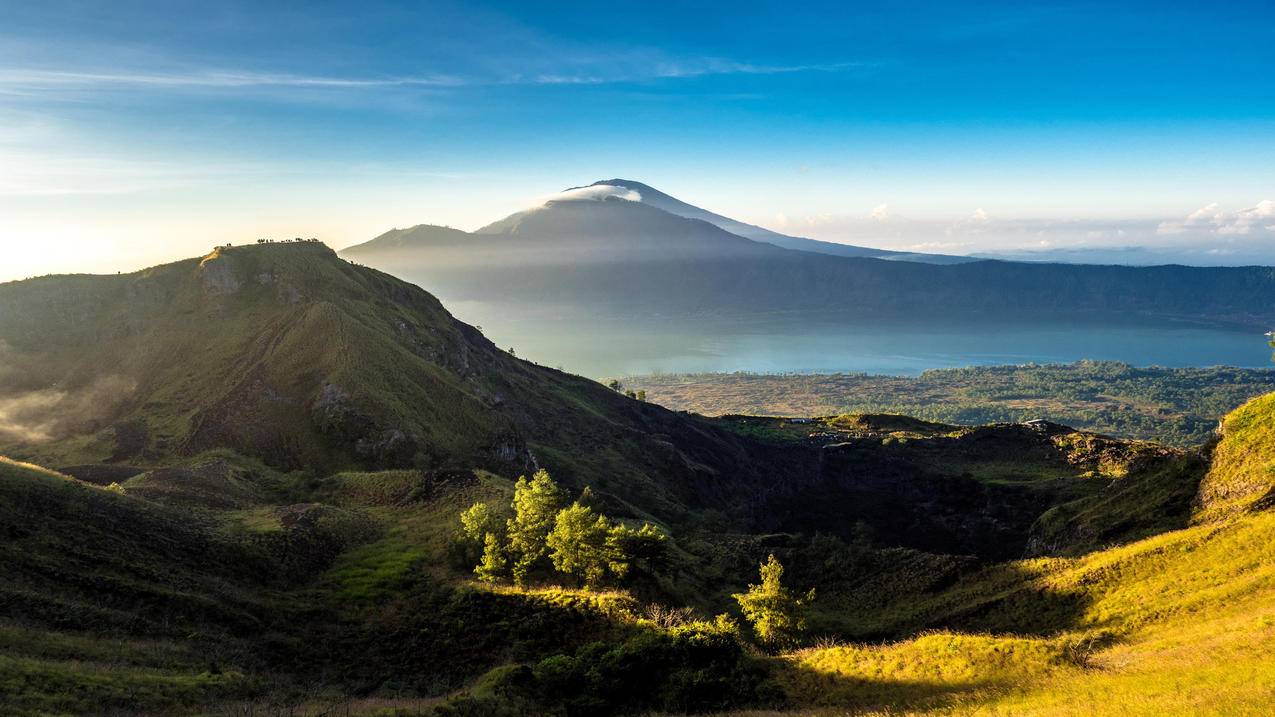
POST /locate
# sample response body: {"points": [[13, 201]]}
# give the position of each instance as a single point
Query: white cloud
{"points": [[593, 193], [57, 79], [979, 215], [880, 213], [1211, 219]]}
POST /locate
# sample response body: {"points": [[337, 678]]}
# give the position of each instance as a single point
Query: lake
{"points": [[610, 348]]}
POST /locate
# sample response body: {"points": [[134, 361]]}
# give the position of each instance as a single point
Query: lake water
{"points": [[604, 349]]}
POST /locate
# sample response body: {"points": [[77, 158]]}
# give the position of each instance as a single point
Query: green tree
{"points": [[641, 395], [774, 612], [615, 385], [477, 521], [536, 504], [494, 565], [579, 546], [646, 546]]}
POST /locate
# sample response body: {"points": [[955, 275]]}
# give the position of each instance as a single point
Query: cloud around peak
{"points": [[592, 193]]}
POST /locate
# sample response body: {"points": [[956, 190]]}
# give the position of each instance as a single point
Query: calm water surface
{"points": [[601, 349]]}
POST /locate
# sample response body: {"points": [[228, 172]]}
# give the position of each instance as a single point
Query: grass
{"points": [[1242, 476], [216, 580], [1182, 622], [1179, 623]]}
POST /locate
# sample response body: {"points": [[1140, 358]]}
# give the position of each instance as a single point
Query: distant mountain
{"points": [[606, 254], [656, 198]]}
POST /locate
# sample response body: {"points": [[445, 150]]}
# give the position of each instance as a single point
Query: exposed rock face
{"points": [[218, 275]]}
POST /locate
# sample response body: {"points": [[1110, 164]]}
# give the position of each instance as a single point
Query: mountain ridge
{"points": [[646, 263], [650, 195]]}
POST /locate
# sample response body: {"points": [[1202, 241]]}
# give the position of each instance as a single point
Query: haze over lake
{"points": [[617, 348]]}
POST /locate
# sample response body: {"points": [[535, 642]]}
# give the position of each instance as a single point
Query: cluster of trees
{"points": [[615, 385], [540, 534]]}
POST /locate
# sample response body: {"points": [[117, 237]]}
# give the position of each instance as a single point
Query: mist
{"points": [[50, 414]]}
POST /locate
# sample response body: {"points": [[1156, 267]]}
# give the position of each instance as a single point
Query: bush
{"points": [[697, 667]]}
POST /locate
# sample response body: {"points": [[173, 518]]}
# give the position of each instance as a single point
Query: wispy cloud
{"points": [[646, 69], [58, 79], [24, 81]]}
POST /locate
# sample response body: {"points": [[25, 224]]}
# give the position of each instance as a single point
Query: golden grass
{"points": [[1243, 471], [1181, 623], [10, 464]]}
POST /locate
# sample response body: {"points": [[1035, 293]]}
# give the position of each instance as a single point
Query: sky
{"points": [[133, 133]]}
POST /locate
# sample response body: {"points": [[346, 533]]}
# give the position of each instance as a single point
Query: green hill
{"points": [[1179, 623], [288, 354], [276, 445]]}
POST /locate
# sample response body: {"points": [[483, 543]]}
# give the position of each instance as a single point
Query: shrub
{"points": [[777, 616]]}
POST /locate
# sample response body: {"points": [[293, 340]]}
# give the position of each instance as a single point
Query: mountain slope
{"points": [[280, 350], [211, 578], [1179, 623], [654, 197], [286, 353]]}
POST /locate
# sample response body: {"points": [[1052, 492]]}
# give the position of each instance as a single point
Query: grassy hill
{"points": [[1179, 623], [286, 353], [275, 446], [306, 594]]}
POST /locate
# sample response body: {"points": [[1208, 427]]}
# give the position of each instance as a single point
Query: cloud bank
{"points": [[1209, 236]]}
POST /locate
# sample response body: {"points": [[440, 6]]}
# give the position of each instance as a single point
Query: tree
{"points": [[646, 546], [595, 550], [494, 565], [536, 503], [579, 546], [774, 612], [479, 520], [615, 385], [641, 395]]}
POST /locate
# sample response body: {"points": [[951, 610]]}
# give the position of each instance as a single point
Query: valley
{"points": [[265, 519]]}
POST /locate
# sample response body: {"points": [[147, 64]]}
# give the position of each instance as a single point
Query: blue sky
{"points": [[137, 132]]}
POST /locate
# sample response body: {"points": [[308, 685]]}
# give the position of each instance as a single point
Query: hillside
{"points": [[264, 456], [286, 353], [1178, 623], [338, 593], [289, 355]]}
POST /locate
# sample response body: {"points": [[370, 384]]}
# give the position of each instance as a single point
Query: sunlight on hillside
{"points": [[1179, 623]]}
